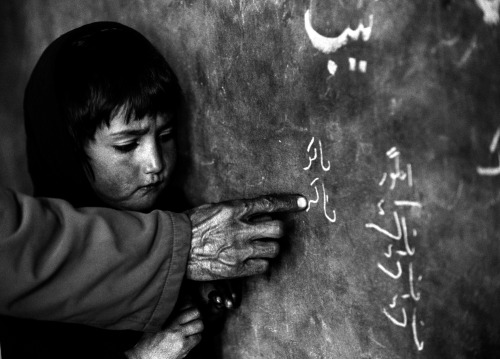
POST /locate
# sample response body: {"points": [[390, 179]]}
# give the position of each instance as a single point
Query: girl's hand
{"points": [[178, 338]]}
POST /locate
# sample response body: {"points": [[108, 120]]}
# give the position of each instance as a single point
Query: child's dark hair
{"points": [[99, 73]]}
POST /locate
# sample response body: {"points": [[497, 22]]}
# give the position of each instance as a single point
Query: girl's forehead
{"points": [[120, 126]]}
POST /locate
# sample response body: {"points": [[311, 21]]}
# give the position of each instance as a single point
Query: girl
{"points": [[99, 113]]}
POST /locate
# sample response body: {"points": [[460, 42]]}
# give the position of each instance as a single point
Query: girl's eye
{"points": [[165, 136], [126, 148]]}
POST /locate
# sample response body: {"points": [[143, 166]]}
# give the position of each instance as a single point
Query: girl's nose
{"points": [[153, 160]]}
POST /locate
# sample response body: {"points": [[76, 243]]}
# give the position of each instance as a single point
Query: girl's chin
{"points": [[142, 204]]}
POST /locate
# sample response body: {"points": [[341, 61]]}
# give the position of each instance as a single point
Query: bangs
{"points": [[106, 72], [149, 95]]}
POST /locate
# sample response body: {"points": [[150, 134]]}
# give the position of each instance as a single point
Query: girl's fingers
{"points": [[194, 340], [188, 316], [193, 328]]}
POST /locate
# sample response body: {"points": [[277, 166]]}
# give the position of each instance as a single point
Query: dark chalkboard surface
{"points": [[387, 135], [391, 129]]}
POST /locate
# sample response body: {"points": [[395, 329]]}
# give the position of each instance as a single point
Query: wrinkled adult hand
{"points": [[179, 337], [237, 238]]}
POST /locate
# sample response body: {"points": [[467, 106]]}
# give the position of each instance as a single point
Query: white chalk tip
{"points": [[302, 202]]}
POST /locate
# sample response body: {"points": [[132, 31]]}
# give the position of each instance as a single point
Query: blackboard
{"points": [[392, 132], [399, 257]]}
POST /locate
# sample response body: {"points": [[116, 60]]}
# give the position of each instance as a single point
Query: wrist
{"points": [[132, 354]]}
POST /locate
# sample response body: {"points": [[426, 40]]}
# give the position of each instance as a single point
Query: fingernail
{"points": [[229, 304], [301, 202]]}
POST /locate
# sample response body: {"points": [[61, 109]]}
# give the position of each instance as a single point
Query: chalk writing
{"points": [[332, 67], [386, 232], [389, 251], [312, 159], [418, 343], [405, 250], [352, 64], [492, 171], [490, 10], [317, 196], [329, 45], [362, 65], [415, 296], [392, 319], [408, 203], [397, 173], [355, 65], [330, 214], [389, 273], [393, 304], [380, 208], [325, 201], [409, 250], [382, 181], [494, 141]]}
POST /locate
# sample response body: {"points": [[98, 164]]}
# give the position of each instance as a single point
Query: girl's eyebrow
{"points": [[131, 132], [142, 131], [167, 125]]}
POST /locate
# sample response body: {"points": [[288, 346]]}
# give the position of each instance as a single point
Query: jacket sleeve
{"points": [[93, 266]]}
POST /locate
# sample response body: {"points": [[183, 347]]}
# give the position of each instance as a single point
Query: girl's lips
{"points": [[152, 186]]}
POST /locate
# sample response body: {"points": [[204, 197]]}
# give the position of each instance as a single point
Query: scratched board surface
{"points": [[386, 115], [391, 130]]}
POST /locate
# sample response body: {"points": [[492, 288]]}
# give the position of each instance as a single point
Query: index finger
{"points": [[276, 203]]}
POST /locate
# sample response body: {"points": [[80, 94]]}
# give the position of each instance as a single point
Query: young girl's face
{"points": [[132, 162]]}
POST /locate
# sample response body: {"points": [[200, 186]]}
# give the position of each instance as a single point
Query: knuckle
{"points": [[274, 248], [264, 265], [178, 337], [267, 204], [196, 339], [199, 326], [195, 313], [280, 229], [226, 210], [187, 344], [235, 205], [232, 209], [259, 267]]}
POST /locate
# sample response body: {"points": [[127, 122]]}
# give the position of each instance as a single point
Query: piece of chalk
{"points": [[302, 202]]}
